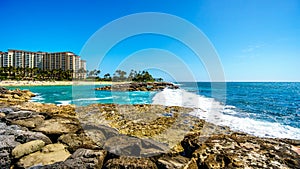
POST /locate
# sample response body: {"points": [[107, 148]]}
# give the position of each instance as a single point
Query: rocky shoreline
{"points": [[41, 136], [139, 86]]}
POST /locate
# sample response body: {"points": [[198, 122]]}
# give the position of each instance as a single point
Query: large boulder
{"points": [[49, 154], [130, 146], [58, 126], [12, 136], [75, 141], [27, 119], [27, 148], [81, 159]]}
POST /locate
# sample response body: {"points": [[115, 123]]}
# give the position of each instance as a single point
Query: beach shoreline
{"points": [[6, 83]]}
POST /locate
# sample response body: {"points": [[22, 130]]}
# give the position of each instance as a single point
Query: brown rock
{"points": [[27, 148], [58, 126], [76, 141], [173, 162], [50, 154], [130, 163]]}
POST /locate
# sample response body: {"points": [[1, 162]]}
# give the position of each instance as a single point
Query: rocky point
{"points": [[44, 136]]}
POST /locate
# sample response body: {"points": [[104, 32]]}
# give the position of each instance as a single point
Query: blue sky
{"points": [[256, 40]]}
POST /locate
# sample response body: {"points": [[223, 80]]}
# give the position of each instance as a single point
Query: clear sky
{"points": [[256, 40]]}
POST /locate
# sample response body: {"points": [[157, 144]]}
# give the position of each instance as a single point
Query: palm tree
{"points": [[107, 77]]}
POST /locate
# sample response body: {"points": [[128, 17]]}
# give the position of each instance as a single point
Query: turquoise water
{"points": [[262, 109], [85, 94]]}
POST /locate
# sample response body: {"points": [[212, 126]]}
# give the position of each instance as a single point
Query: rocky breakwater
{"points": [[142, 86], [40, 136], [16, 95]]}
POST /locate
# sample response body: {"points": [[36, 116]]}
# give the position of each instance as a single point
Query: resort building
{"points": [[43, 60], [82, 69]]}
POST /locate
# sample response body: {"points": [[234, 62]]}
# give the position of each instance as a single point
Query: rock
{"points": [[81, 159], [139, 86], [49, 154], [108, 132], [16, 96], [8, 142], [58, 126], [130, 163], [5, 160], [27, 136], [6, 110], [27, 148], [130, 146], [240, 150], [90, 158], [173, 162], [99, 134], [31, 122], [2, 115], [76, 141], [3, 90], [22, 135], [49, 110], [27, 119]]}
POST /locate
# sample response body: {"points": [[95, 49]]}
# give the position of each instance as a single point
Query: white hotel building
{"points": [[42, 60]]}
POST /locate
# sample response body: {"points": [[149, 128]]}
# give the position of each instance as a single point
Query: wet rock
{"points": [[50, 154], [58, 126], [130, 163], [27, 148], [131, 146]]}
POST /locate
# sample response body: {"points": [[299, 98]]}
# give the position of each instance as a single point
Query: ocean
{"points": [[265, 109]]}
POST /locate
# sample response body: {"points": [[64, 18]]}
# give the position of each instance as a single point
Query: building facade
{"points": [[43, 60]]}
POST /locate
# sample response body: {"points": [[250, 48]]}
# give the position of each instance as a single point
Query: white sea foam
{"points": [[63, 102], [93, 99], [214, 112], [37, 98]]}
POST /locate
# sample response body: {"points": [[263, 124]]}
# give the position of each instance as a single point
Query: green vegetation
{"points": [[17, 73], [13, 73], [120, 76]]}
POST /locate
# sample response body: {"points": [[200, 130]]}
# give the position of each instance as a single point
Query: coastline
{"points": [[55, 83], [112, 134]]}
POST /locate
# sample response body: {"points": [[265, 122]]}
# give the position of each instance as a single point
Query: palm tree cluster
{"points": [[120, 76], [135, 76], [18, 73]]}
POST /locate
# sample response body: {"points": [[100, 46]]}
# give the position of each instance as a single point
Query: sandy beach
{"points": [[54, 83]]}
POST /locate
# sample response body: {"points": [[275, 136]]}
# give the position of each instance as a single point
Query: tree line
{"points": [[18, 73], [120, 75]]}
